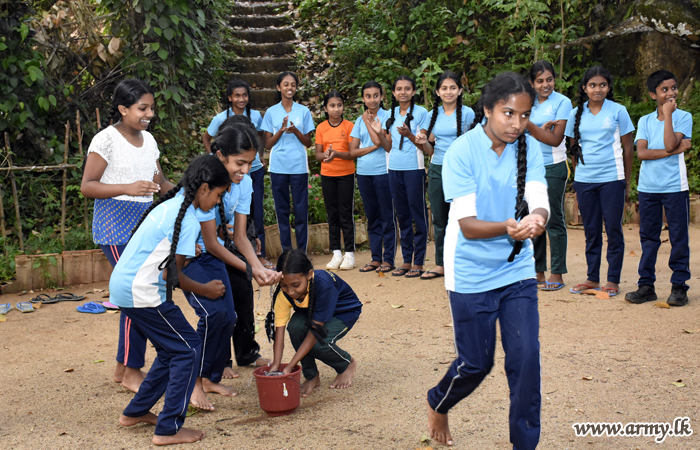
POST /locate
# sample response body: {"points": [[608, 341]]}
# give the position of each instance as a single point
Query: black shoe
{"points": [[678, 297], [645, 293]]}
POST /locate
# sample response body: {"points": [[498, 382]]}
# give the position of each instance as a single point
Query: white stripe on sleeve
{"points": [[536, 196], [462, 207]]}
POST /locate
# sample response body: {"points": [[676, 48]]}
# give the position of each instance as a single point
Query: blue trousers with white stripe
{"points": [[379, 209], [256, 206], [131, 349], [281, 184], [217, 316], [408, 192], [474, 323], [174, 371], [677, 206]]}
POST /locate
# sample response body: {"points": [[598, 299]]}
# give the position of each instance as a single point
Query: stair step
{"points": [[256, 65], [266, 8], [261, 99], [260, 21], [253, 50], [258, 80], [266, 36]]}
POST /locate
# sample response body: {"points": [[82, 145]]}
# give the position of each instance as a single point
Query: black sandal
{"points": [[400, 272], [414, 273], [385, 269], [368, 268]]}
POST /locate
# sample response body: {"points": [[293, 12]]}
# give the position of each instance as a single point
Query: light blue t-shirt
{"points": [[409, 157], [255, 117], [600, 142], [665, 175], [472, 167], [557, 107], [445, 130], [136, 281], [235, 200], [288, 155], [373, 163]]}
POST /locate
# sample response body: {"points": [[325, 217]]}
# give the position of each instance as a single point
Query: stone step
{"points": [[265, 36], [260, 21], [256, 65], [261, 99], [264, 50], [258, 80], [266, 8]]}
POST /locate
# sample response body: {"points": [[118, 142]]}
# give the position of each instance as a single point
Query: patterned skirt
{"points": [[114, 220]]}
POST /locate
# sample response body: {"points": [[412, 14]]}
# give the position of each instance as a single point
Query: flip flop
{"points": [[399, 272], [368, 268], [414, 273], [91, 308], [25, 307], [612, 292], [385, 269], [68, 297], [5, 308], [43, 298], [582, 287], [554, 286], [433, 275], [110, 306]]}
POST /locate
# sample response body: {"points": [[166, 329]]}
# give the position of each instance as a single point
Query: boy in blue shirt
{"points": [[662, 138]]}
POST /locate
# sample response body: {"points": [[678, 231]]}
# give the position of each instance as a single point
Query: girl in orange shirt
{"points": [[337, 179]]}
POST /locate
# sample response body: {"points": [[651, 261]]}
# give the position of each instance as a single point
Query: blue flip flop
{"points": [[25, 307], [5, 308], [91, 308], [555, 286]]}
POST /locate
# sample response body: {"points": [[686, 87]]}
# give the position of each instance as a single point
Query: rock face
{"points": [[676, 18]]}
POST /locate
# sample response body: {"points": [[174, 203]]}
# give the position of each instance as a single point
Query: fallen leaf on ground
{"points": [[662, 304], [191, 410], [397, 306], [590, 291], [425, 438], [447, 361], [382, 275], [448, 325], [3, 318], [587, 377], [37, 305], [379, 284], [678, 383], [368, 301], [71, 320], [61, 433], [602, 295], [257, 328], [98, 290], [98, 361], [691, 331], [413, 309], [68, 370], [632, 254]]}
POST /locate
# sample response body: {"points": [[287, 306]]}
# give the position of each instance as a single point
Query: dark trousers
{"points": [[474, 323], [408, 193], [256, 206], [131, 350], [339, 197], [174, 371], [379, 210], [440, 210], [651, 206], [281, 184], [245, 348], [598, 203], [556, 176], [217, 316], [328, 353]]}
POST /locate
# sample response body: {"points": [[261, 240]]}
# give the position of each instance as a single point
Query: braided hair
{"points": [[282, 76], [202, 169], [576, 151], [328, 97], [500, 89], [373, 84], [233, 85], [448, 74], [127, 93], [295, 261], [409, 114]]}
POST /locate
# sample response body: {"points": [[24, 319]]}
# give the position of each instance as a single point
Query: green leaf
{"points": [[158, 31], [3, 46], [163, 54], [155, 46], [52, 100], [201, 17], [191, 83], [35, 73], [36, 264], [392, 35], [169, 34], [24, 31], [177, 98], [52, 260], [175, 19]]}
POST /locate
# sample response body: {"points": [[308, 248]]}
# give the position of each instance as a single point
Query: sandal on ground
{"points": [[414, 273], [5, 308], [612, 292], [25, 307], [385, 269], [400, 272], [582, 287], [368, 268], [551, 286], [431, 275], [91, 308], [43, 299], [68, 297]]}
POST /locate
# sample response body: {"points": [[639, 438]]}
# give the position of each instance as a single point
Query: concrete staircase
{"points": [[267, 47]]}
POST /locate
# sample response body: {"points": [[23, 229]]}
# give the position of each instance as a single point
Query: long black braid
{"points": [[391, 119], [459, 115], [576, 151], [127, 93], [407, 122], [433, 118]]}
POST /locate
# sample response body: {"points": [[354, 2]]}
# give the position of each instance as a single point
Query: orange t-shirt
{"points": [[339, 136]]}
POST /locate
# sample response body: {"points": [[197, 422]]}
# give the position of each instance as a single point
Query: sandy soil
{"points": [[631, 353]]}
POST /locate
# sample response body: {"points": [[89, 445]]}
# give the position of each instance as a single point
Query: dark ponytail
{"points": [[433, 118], [127, 93], [576, 151], [391, 119]]}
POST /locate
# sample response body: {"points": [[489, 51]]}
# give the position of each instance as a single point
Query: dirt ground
{"points": [[602, 361]]}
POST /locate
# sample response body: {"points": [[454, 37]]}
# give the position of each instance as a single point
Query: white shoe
{"points": [[334, 263], [348, 262]]}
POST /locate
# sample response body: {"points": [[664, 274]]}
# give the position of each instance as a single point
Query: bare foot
{"points": [[344, 380], [131, 421], [262, 362], [540, 278], [438, 427], [217, 388], [229, 373], [184, 436], [118, 372], [199, 398], [309, 385], [132, 379]]}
